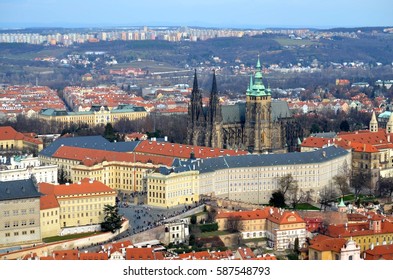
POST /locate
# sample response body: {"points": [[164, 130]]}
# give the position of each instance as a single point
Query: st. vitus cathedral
{"points": [[259, 125]]}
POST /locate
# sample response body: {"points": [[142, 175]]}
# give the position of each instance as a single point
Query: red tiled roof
{"points": [[245, 215], [90, 157], [380, 252], [65, 254], [246, 253], [316, 142], [182, 151], [86, 186], [203, 255], [48, 201], [328, 244], [141, 254], [93, 256], [284, 217]]}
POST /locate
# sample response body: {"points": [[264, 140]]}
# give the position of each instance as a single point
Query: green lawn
{"points": [[306, 206], [67, 237], [213, 233]]}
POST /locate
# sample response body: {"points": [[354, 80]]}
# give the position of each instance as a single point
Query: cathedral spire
{"points": [[258, 64], [214, 84], [195, 85]]}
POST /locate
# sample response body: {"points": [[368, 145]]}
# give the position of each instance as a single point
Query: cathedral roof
{"points": [[237, 113]]}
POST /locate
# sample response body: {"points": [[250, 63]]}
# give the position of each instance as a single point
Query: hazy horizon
{"points": [[243, 14]]}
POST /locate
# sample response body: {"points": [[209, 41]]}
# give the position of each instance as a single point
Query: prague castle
{"points": [[258, 125]]}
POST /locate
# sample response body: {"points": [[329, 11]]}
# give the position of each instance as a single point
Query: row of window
{"points": [[18, 212], [16, 233], [7, 224]]}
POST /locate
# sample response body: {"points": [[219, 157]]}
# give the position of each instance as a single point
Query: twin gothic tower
{"points": [[256, 125]]}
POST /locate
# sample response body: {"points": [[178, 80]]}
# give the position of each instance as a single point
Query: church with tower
{"points": [[260, 124]]}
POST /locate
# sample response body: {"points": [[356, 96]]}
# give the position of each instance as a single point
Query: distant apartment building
{"points": [[20, 213]]}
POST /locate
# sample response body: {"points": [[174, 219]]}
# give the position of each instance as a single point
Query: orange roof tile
{"points": [[328, 244], [86, 186], [245, 215], [140, 254], [90, 157], [316, 142], [65, 254], [182, 151], [93, 256], [48, 202]]}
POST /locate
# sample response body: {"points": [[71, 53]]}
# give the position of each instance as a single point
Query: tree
{"points": [[286, 183], [386, 186], [277, 200], [327, 194], [112, 219], [341, 182], [234, 224], [193, 220], [290, 189], [211, 215], [344, 125], [359, 181], [109, 132]]}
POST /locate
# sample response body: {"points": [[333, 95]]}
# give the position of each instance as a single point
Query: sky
{"points": [[202, 13]]}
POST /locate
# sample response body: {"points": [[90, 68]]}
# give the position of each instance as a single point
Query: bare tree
{"points": [[289, 187], [342, 179], [234, 224], [386, 186], [287, 183], [328, 194], [360, 181]]}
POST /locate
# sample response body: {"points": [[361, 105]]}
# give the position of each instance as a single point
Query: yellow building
{"points": [[251, 224], [10, 139], [80, 204], [50, 216], [172, 189], [98, 115], [118, 170]]}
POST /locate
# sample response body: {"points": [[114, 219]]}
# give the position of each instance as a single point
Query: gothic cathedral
{"points": [[258, 125]]}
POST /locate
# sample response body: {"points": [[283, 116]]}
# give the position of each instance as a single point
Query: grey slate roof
{"points": [[89, 142], [233, 113], [19, 189], [237, 113], [246, 161], [280, 110]]}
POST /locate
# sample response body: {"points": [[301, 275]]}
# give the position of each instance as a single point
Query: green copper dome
{"points": [[257, 88]]}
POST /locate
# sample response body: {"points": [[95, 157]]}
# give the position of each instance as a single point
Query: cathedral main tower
{"points": [[258, 123]]}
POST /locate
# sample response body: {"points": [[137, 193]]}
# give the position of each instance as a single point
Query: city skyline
{"points": [[220, 13]]}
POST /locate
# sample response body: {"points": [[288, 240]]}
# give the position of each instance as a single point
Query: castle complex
{"points": [[258, 125]]}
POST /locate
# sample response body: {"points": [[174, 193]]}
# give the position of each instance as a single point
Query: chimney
{"points": [[388, 138]]}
